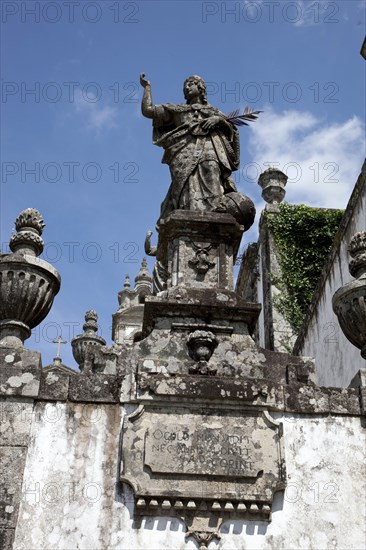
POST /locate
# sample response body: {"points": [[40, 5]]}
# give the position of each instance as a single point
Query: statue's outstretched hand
{"points": [[143, 80]]}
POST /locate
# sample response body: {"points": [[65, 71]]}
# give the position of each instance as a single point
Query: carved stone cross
{"points": [[59, 341]]}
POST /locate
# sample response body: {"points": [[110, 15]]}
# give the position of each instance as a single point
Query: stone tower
{"points": [[127, 321]]}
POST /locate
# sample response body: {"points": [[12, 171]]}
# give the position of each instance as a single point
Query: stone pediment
{"points": [[59, 369]]}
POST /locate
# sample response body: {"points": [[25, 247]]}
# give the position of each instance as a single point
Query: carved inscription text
{"points": [[222, 450]]}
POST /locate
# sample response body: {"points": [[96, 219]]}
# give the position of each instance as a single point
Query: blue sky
{"points": [[97, 178]]}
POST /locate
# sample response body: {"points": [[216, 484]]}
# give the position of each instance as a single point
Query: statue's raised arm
{"points": [[146, 105]]}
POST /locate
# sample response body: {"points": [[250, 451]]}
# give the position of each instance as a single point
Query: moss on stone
{"points": [[303, 236]]}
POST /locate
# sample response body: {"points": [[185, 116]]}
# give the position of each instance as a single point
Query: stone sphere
{"points": [[241, 208]]}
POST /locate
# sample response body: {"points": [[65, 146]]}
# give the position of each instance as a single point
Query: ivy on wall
{"points": [[303, 236]]}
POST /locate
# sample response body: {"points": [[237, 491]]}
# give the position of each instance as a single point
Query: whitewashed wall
{"points": [[70, 500], [336, 359]]}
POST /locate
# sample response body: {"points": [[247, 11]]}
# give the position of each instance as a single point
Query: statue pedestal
{"points": [[198, 249]]}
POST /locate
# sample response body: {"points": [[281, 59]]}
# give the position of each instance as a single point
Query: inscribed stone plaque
{"points": [[202, 453], [220, 448]]}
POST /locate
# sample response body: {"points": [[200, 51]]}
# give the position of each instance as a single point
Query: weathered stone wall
{"points": [[336, 359], [61, 450], [19, 384], [61, 457], [256, 282], [276, 332], [71, 497], [72, 440]]}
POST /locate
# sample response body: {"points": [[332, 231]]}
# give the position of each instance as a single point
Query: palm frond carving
{"points": [[249, 115]]}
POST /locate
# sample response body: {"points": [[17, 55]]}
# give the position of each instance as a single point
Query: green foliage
{"points": [[303, 236]]}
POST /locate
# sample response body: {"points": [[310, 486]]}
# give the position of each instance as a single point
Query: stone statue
{"points": [[201, 148]]}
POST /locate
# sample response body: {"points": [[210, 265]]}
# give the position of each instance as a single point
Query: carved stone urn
{"points": [[201, 345], [349, 302], [273, 182], [28, 284], [89, 336]]}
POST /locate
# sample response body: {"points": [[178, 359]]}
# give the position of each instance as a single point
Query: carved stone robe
{"points": [[200, 161]]}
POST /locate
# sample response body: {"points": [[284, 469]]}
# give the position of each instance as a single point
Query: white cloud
{"points": [[96, 116], [321, 160]]}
